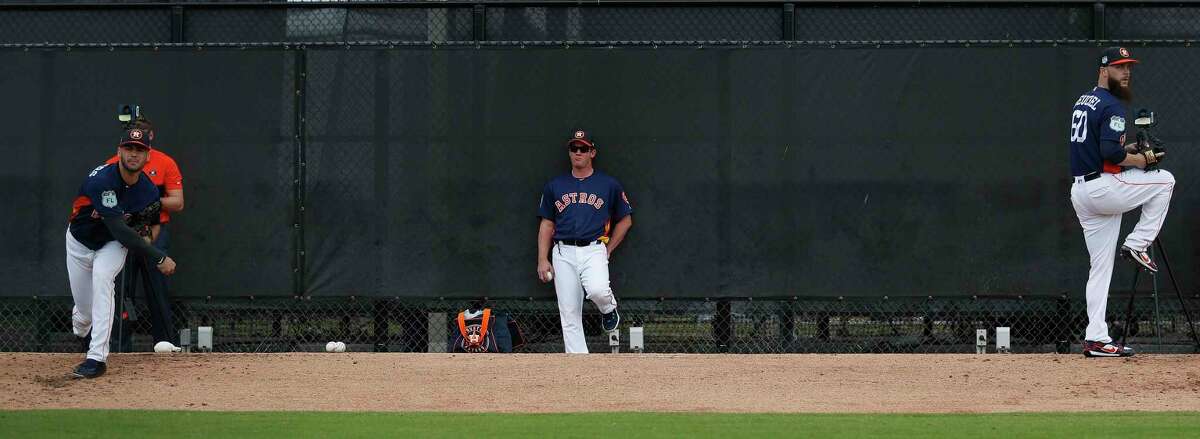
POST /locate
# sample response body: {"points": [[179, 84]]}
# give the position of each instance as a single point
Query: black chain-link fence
{"points": [[640, 23], [228, 25], [944, 22], [1157, 21], [801, 325], [135, 25], [231, 22]]}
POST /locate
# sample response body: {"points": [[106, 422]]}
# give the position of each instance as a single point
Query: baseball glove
{"points": [[141, 221], [1151, 149]]}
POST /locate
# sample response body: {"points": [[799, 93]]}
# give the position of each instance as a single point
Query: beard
{"points": [[131, 170], [1122, 93]]}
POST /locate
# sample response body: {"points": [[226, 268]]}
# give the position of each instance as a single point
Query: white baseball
{"points": [[331, 346], [341, 347], [549, 276]]}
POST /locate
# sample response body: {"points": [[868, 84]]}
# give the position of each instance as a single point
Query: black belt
{"points": [[1091, 176], [577, 242]]}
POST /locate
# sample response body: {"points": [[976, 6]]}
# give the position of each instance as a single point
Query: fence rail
{"points": [[247, 22]]}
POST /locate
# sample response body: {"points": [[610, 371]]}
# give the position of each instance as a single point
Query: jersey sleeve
{"points": [[546, 205], [1112, 129], [173, 179], [112, 160], [130, 239], [103, 197], [621, 207]]}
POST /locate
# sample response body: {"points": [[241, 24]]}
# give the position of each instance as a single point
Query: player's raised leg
{"points": [[594, 275], [1152, 190]]}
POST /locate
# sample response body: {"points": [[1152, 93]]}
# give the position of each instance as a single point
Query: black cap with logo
{"points": [[137, 136], [580, 137], [1115, 55]]}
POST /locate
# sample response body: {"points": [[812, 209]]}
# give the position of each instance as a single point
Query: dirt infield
{"points": [[626, 382]]}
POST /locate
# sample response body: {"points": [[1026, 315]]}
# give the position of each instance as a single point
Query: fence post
{"points": [[1062, 330], [298, 172], [787, 324], [789, 22], [44, 314], [381, 314], [177, 24], [823, 326], [1098, 30], [478, 28], [415, 326], [723, 325]]}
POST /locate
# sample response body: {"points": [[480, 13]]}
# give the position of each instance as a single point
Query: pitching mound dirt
{"points": [[627, 382]]}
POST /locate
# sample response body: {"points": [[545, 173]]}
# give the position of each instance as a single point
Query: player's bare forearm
{"points": [[619, 232], [545, 232], [173, 202], [1136, 160]]}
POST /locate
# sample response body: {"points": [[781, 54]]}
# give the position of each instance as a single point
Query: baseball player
{"points": [[114, 200], [578, 210], [1109, 181], [164, 173]]}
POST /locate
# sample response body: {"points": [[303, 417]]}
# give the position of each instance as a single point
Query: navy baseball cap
{"points": [[581, 138], [1116, 55], [137, 136]]}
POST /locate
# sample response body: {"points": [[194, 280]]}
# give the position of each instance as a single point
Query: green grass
{"points": [[176, 425]]}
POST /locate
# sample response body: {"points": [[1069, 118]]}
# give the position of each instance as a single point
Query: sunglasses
{"points": [[579, 148]]}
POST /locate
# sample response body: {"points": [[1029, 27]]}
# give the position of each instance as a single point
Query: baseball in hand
{"points": [[549, 276]]}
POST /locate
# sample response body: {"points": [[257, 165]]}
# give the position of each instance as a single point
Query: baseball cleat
{"points": [[1099, 349], [1141, 257], [89, 368], [611, 320]]}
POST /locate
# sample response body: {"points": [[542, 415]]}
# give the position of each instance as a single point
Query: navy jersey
{"points": [[583, 209], [1097, 133], [105, 194]]}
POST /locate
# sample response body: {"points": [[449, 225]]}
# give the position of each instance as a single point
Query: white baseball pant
{"points": [[579, 273], [93, 275], [1099, 205]]}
